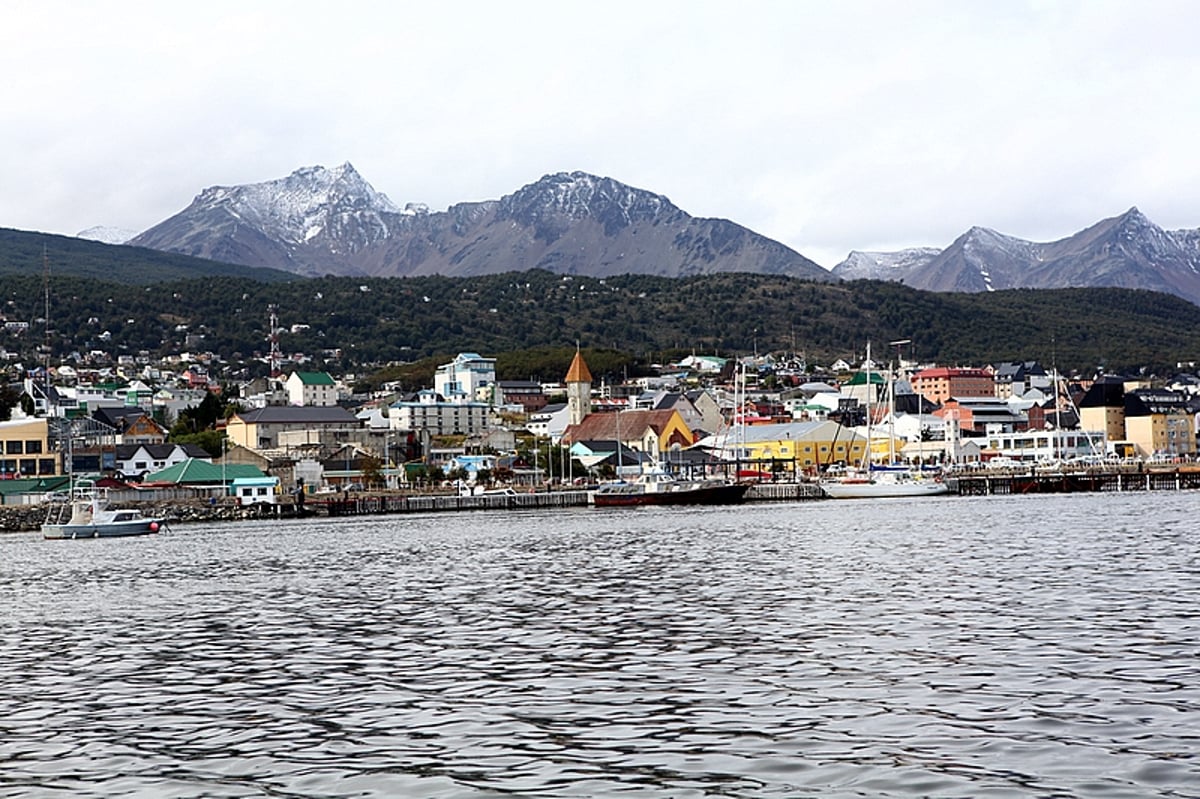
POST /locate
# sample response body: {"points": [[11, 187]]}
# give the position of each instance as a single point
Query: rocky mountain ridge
{"points": [[1126, 251], [319, 221]]}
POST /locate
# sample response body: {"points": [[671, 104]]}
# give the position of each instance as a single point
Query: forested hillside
{"points": [[28, 253], [363, 324]]}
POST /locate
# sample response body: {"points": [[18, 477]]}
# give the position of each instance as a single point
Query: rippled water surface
{"points": [[982, 647]]}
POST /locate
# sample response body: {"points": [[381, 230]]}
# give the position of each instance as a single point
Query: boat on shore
{"points": [[657, 487], [86, 514]]}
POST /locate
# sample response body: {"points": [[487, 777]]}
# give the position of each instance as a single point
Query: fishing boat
{"points": [[86, 514], [657, 487]]}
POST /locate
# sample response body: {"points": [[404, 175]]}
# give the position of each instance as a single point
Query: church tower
{"points": [[579, 389]]}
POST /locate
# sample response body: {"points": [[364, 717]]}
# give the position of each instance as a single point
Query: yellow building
{"points": [[802, 446], [25, 450], [259, 429], [1158, 423]]}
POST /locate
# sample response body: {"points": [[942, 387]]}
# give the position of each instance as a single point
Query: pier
{"points": [[1075, 482], [379, 504]]}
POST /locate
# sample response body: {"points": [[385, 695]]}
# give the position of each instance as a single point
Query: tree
{"points": [[209, 440], [372, 471], [200, 417], [9, 399]]}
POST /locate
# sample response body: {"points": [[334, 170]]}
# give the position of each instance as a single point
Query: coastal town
{"points": [[299, 435]]}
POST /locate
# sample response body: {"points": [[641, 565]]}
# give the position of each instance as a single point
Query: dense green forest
{"points": [[26, 253], [533, 320]]}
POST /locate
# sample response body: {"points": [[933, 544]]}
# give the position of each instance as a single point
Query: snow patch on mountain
{"points": [[107, 235], [860, 265], [309, 203]]}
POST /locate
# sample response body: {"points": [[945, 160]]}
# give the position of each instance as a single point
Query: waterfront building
{"points": [[803, 446], [25, 449], [1102, 408], [1046, 445], [468, 378], [1159, 422]]}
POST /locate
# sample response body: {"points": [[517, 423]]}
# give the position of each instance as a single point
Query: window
{"points": [[33, 447], [46, 466], [12, 448]]}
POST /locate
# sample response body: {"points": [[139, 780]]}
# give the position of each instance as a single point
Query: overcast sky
{"points": [[829, 126]]}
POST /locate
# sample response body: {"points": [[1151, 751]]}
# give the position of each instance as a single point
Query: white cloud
{"points": [[831, 127]]}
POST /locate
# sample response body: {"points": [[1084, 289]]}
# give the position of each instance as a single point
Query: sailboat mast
{"points": [[46, 322], [891, 416], [866, 459]]}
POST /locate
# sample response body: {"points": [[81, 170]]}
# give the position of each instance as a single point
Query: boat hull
{"points": [[723, 494], [109, 530], [867, 489]]}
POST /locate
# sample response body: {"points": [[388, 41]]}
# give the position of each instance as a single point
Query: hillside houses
{"points": [[784, 422]]}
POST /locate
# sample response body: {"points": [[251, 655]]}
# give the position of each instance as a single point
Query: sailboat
{"points": [[883, 480]]}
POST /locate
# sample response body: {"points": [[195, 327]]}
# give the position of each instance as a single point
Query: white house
{"points": [[138, 459], [550, 422], [311, 389]]}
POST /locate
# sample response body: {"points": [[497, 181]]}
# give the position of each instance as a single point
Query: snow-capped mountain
{"points": [[897, 265], [286, 223], [1127, 251], [322, 221], [106, 235]]}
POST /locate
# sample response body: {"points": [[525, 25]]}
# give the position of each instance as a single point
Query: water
{"points": [[968, 647]]}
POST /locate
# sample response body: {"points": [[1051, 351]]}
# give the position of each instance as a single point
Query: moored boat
{"points": [[885, 483], [86, 514], [656, 487], [891, 479]]}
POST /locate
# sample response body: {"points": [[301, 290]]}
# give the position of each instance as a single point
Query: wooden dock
{"points": [[1076, 482], [375, 504], [983, 484], [382, 504]]}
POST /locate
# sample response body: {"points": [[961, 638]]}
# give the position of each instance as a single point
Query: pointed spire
{"points": [[579, 372]]}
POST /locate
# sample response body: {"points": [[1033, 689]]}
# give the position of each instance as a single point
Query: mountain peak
{"points": [[552, 203], [321, 220]]}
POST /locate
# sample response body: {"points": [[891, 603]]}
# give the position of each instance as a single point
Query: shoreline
{"points": [[28, 518]]}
